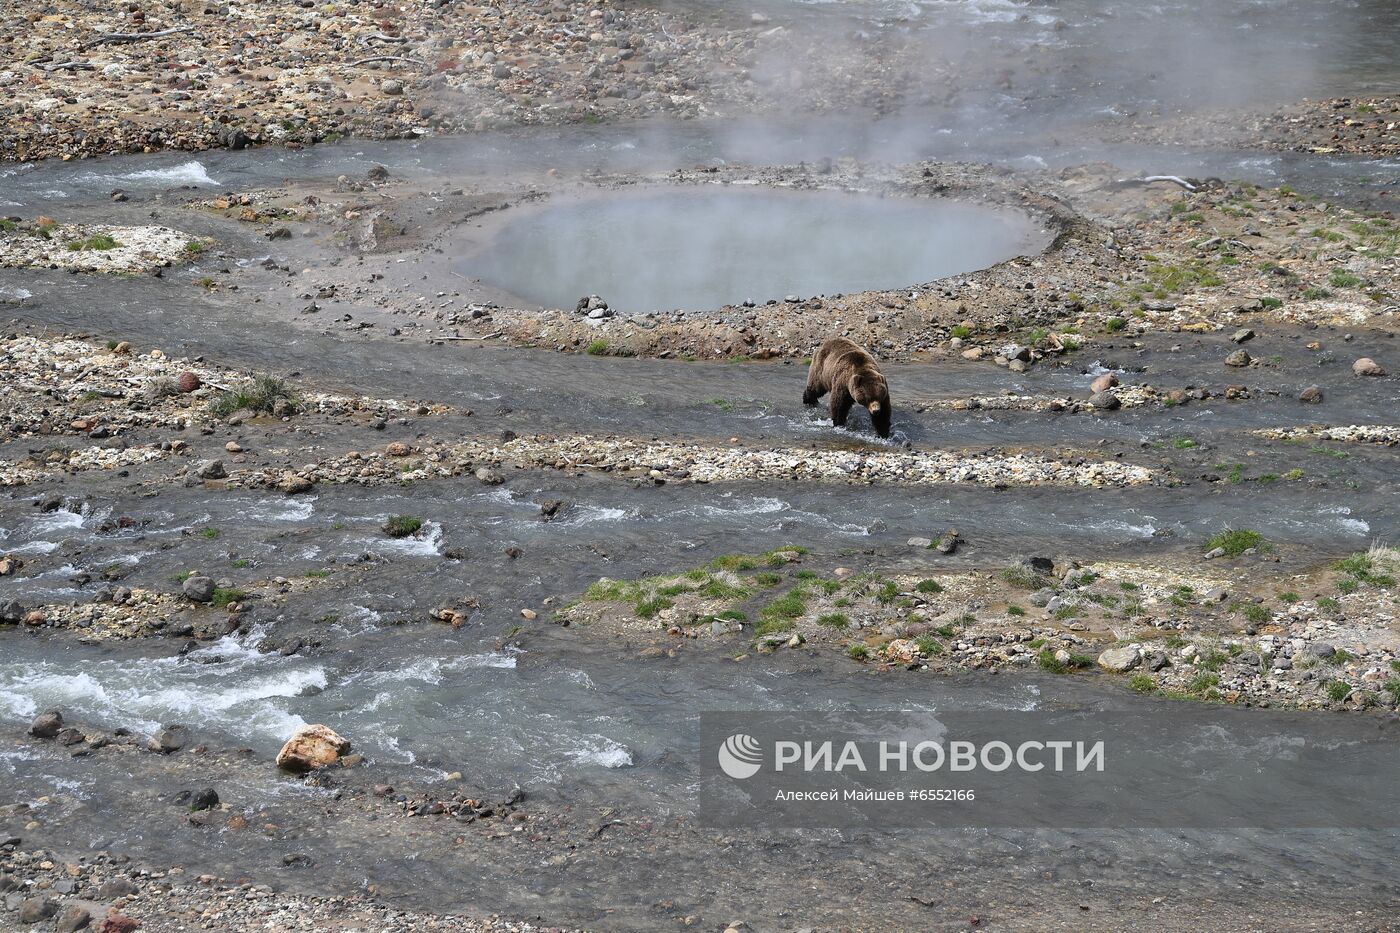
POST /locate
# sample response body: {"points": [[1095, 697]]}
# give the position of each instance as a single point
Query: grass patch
{"points": [[1338, 690], [225, 595], [259, 395], [648, 608], [836, 620], [597, 348], [1023, 577], [209, 533], [779, 615], [1142, 683], [1340, 279], [928, 586], [401, 526], [1235, 541], [858, 652]]}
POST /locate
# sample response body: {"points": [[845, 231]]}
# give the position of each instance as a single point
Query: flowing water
{"points": [[575, 720]]}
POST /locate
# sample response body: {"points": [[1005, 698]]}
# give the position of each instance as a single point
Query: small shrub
{"points": [[259, 395], [1235, 541], [1142, 683], [928, 646], [858, 652], [223, 596], [1338, 690], [1340, 279], [1114, 324], [401, 526], [597, 348], [1255, 613], [1015, 611], [648, 608], [961, 331], [928, 586]]}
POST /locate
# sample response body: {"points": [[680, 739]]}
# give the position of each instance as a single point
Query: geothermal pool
{"points": [[666, 250]]}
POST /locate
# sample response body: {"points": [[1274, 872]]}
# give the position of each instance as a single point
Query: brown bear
{"points": [[851, 376]]}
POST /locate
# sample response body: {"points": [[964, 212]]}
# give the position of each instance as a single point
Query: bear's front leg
{"points": [[841, 403], [810, 395]]}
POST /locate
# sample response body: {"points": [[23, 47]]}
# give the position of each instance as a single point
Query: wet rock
{"points": [[1119, 660], [170, 739], [1103, 383], [1312, 395], [11, 612], [920, 542], [293, 484], [198, 588], [1367, 367], [550, 508], [1239, 358], [211, 469], [46, 725], [489, 477], [312, 747], [206, 799], [1157, 660], [949, 542], [1104, 401], [1241, 335]]}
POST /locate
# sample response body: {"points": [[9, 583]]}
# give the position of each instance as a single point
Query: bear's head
{"points": [[872, 393]]}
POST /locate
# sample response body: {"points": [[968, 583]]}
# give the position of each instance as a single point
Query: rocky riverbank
{"points": [[1227, 631]]}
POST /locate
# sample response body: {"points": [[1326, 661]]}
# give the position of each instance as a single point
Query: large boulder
{"points": [[312, 747], [47, 725], [1119, 660], [1367, 367], [198, 588]]}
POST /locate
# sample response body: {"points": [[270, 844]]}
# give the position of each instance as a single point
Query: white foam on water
{"points": [[1345, 523], [298, 509], [591, 514], [1144, 530], [427, 542], [192, 172], [598, 750], [14, 292]]}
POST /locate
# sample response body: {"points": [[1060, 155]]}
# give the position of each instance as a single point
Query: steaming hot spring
{"points": [[682, 248]]}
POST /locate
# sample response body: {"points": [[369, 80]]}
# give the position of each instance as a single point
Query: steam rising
{"points": [[699, 249]]}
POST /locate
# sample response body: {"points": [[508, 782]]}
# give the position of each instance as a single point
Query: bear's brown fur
{"points": [[852, 377]]}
